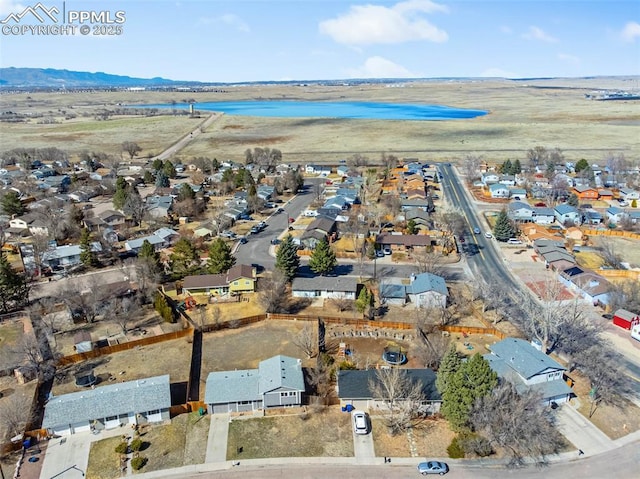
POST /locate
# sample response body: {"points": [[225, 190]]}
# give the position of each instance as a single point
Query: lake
{"points": [[352, 110]]}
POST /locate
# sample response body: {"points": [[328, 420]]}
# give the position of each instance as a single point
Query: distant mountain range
{"points": [[50, 78]]}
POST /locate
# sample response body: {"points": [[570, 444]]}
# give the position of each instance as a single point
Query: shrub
{"points": [[122, 448], [475, 444], [455, 449], [136, 445], [138, 463]]}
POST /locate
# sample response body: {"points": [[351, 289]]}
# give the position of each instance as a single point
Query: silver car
{"points": [[433, 467]]}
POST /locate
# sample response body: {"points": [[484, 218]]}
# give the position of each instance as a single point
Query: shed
{"points": [[625, 319], [82, 341]]}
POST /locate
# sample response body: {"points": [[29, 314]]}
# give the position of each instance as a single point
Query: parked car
{"points": [[514, 241], [476, 230], [433, 467], [262, 225], [387, 250], [243, 240], [275, 241], [254, 230], [269, 204], [292, 220], [488, 235], [228, 234], [360, 422], [280, 210], [379, 253]]}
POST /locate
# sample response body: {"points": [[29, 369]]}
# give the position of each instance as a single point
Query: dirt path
{"points": [[184, 141]]}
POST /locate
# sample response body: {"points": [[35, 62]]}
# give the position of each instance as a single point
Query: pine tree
{"points": [[11, 204], [450, 364], [87, 255], [185, 259], [220, 257], [162, 180], [573, 200], [516, 168], [157, 165], [14, 289], [503, 229], [411, 227], [121, 193], [148, 178], [582, 164], [169, 170], [473, 380], [323, 259], [506, 168], [148, 253], [287, 259], [364, 300]]}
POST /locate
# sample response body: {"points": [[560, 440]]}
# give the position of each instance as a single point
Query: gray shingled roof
{"points": [[523, 357], [114, 399], [326, 283], [280, 372], [354, 384]]}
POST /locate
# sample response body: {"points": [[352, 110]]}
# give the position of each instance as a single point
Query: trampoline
{"points": [[394, 356]]}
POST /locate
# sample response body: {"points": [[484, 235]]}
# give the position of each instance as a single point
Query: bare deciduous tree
{"points": [[307, 339], [342, 304], [15, 414], [402, 398], [471, 167], [429, 261], [432, 349], [516, 423], [609, 254], [273, 297], [320, 379]]}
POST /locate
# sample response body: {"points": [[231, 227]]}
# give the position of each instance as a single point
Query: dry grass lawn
{"points": [[627, 248], [104, 462], [11, 332], [429, 438], [315, 434], [558, 114], [589, 259]]}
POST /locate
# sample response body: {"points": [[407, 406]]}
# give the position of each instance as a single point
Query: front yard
{"points": [[327, 433], [431, 438]]}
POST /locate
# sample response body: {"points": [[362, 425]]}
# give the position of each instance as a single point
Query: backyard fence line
{"points": [[623, 234], [473, 330], [619, 273], [357, 323], [95, 353]]}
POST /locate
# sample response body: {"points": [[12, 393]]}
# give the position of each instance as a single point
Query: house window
{"points": [[244, 402], [235, 283], [287, 394], [111, 418], [155, 411]]}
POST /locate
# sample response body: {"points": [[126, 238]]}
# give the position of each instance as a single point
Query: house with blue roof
{"points": [[615, 215], [520, 212], [66, 256], [277, 382], [161, 238], [529, 369], [108, 407], [423, 290], [498, 190], [566, 213]]}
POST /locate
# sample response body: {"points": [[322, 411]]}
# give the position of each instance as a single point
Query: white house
{"points": [[108, 407], [31, 222], [529, 369], [565, 213], [498, 190], [629, 195], [543, 216], [520, 212], [615, 215], [489, 178], [329, 287], [423, 290], [591, 286]]}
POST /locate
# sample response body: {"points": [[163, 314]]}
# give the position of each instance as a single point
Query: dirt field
{"points": [[560, 117], [13, 395], [628, 249], [288, 436], [170, 357], [11, 332], [429, 438]]}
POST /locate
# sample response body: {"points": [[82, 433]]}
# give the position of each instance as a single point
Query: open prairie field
{"points": [[522, 114]]}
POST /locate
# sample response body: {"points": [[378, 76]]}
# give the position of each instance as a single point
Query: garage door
{"points": [[154, 416], [62, 431], [81, 427], [111, 422]]}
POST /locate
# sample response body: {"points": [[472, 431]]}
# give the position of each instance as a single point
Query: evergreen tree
{"points": [[162, 180], [323, 259], [11, 204], [148, 178], [411, 227], [503, 229], [516, 169], [185, 259], [450, 364], [121, 193], [14, 289], [148, 253], [185, 192], [573, 200], [506, 168], [581, 165], [157, 165], [474, 379], [364, 300], [169, 170], [87, 255], [220, 257], [287, 259]]}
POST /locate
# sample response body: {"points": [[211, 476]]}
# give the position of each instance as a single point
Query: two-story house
{"points": [[520, 212], [585, 192], [240, 278], [278, 382], [566, 213], [32, 222], [529, 369]]}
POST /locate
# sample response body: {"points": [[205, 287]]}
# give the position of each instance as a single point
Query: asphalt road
{"points": [[621, 463]]}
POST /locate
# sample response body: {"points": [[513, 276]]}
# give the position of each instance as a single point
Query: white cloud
{"points": [[630, 32], [379, 67], [498, 73], [376, 24], [574, 60], [9, 6], [537, 33], [230, 19]]}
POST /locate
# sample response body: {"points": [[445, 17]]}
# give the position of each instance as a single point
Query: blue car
{"points": [[433, 467]]}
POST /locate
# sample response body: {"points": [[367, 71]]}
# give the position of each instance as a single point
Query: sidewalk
{"points": [[217, 442]]}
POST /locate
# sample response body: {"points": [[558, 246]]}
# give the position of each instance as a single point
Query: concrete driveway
{"points": [[363, 448], [582, 433]]}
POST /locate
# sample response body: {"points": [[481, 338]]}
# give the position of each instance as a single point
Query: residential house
{"points": [[57, 183], [555, 257], [320, 228], [32, 222], [592, 217], [489, 178], [66, 256], [585, 192], [507, 180], [419, 217], [629, 194], [423, 290], [605, 195], [159, 206], [159, 239], [320, 170], [205, 230], [239, 279], [265, 192], [588, 284], [498, 190], [410, 203], [342, 170], [561, 177], [615, 215], [543, 215], [277, 382], [404, 242], [634, 216], [167, 235], [520, 212], [518, 194], [566, 213], [328, 287], [112, 218], [529, 369], [337, 202], [108, 407], [355, 389]]}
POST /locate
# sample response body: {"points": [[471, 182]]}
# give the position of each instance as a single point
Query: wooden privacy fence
{"points": [[473, 330], [95, 353], [234, 323], [619, 273], [622, 234], [356, 323]]}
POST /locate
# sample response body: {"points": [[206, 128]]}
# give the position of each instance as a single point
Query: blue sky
{"points": [[242, 40]]}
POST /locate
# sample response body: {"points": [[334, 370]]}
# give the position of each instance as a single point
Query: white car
{"points": [[514, 241], [488, 235], [360, 423]]}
